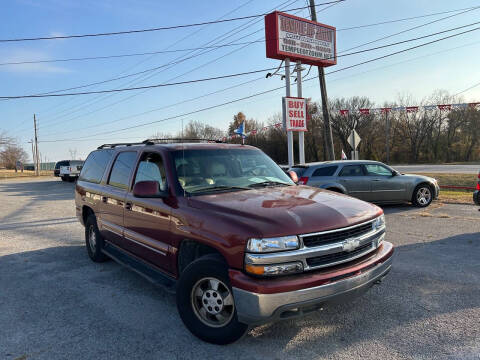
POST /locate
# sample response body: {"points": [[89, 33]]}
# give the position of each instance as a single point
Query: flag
{"points": [[364, 111], [344, 112], [344, 156], [241, 132]]}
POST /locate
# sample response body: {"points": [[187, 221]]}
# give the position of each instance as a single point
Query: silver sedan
{"points": [[369, 180]]}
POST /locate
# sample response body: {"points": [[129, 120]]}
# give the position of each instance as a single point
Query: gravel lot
{"points": [[57, 304]]}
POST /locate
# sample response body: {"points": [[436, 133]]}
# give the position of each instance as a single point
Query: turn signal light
{"points": [[275, 269], [303, 180]]}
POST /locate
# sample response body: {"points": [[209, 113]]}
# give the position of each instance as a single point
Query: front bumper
{"points": [[258, 308], [476, 197]]}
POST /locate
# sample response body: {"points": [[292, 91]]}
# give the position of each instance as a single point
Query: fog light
{"points": [[275, 269]]}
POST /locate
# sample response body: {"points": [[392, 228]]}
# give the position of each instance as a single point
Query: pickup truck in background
{"points": [[71, 171], [225, 228]]}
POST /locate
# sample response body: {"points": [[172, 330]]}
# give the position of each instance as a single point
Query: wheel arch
{"points": [[189, 250], [86, 212], [420, 183]]}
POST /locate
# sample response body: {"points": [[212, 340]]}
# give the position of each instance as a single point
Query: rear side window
{"points": [[352, 170], [325, 171], [122, 168], [95, 166], [299, 170]]}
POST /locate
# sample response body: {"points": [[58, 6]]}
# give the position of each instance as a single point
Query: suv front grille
{"points": [[336, 236], [338, 257]]}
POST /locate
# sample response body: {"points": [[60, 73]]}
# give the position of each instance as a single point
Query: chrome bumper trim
{"points": [[254, 308]]}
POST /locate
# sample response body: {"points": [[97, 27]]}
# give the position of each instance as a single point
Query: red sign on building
{"points": [[289, 36]]}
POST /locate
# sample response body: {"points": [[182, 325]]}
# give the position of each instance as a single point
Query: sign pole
{"points": [[289, 133], [301, 134], [387, 137]]}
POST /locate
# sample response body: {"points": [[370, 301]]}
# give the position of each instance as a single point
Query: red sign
{"points": [[295, 113], [292, 37], [364, 111]]}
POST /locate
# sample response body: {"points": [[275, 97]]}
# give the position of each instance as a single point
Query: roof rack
{"points": [[180, 140], [159, 141], [111, 146]]}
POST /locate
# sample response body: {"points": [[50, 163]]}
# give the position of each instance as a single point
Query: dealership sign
{"points": [[299, 39], [296, 113]]}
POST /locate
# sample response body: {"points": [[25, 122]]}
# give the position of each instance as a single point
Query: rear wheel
{"points": [[93, 240], [422, 195], [205, 302]]}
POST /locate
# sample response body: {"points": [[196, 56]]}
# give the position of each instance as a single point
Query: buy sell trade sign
{"points": [[295, 113]]}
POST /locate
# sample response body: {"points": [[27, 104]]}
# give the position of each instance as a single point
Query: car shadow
{"points": [[40, 190], [429, 281]]}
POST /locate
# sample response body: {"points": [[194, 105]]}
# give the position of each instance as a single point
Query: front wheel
{"points": [[205, 302], [422, 195]]}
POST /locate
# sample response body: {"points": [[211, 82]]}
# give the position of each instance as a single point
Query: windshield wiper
{"points": [[268, 183], [219, 188]]}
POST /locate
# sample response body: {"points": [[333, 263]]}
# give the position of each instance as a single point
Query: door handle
{"points": [[128, 206], [104, 199], [376, 180]]}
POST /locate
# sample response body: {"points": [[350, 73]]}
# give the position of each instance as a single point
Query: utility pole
{"points": [[37, 163], [323, 90]]}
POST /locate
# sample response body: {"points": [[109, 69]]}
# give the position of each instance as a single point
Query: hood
{"points": [[420, 177], [279, 211]]}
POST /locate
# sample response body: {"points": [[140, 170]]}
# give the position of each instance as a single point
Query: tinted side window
{"points": [[95, 166], [375, 170], [61, 163], [122, 168], [325, 171], [150, 168], [352, 170], [299, 170]]}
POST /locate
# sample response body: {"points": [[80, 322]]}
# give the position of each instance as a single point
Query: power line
{"points": [[263, 92], [410, 29], [239, 74], [220, 37], [157, 28], [469, 88], [116, 56]]}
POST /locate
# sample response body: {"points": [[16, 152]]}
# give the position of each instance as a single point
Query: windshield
{"points": [[201, 171]]}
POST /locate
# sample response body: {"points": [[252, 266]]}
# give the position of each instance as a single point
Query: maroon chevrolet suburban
{"points": [[229, 231]]}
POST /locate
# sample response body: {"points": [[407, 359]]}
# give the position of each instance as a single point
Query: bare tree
{"points": [[12, 153]]}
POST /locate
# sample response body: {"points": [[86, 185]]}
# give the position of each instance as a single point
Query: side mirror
{"points": [[293, 175], [395, 173], [148, 189]]}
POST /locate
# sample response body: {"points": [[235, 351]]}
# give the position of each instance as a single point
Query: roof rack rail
{"points": [[179, 140], [158, 141], [111, 146]]}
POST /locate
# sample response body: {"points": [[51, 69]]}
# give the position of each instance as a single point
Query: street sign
{"points": [[354, 139]]}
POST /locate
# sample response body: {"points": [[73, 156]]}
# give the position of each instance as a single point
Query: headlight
{"points": [[272, 244], [379, 222], [275, 269]]}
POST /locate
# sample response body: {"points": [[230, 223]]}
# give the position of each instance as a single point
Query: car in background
{"points": [[71, 171], [367, 180], [476, 194], [56, 171]]}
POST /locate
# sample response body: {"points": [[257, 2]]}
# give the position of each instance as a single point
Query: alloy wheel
{"points": [[212, 302], [424, 195]]}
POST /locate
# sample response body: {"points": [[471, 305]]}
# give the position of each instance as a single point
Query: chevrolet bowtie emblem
{"points": [[350, 244]]}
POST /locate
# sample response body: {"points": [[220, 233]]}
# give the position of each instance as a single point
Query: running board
{"points": [[149, 272]]}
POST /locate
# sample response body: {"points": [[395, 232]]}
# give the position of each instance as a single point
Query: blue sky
{"points": [[451, 65]]}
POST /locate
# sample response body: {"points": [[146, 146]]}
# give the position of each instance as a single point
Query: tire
{"points": [[203, 284], [422, 195], [64, 178], [93, 240]]}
